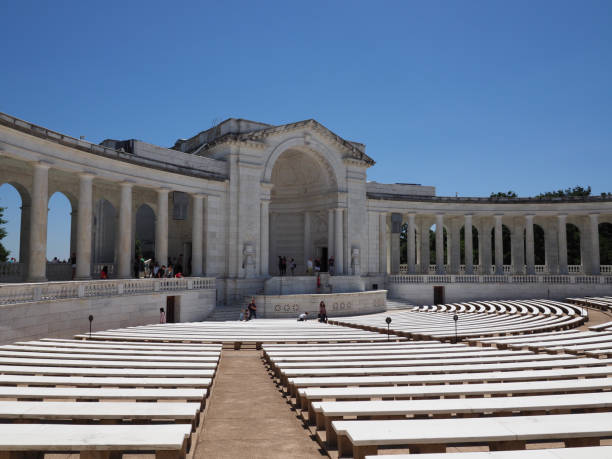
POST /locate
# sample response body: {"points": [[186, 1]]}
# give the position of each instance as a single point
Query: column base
{"points": [[36, 279]]}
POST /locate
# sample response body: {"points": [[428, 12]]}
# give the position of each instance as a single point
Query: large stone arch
{"points": [[314, 149]]}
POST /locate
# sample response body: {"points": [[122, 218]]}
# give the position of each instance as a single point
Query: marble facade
{"points": [[232, 198]]}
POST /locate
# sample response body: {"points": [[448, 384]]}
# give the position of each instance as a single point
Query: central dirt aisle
{"points": [[247, 417]]}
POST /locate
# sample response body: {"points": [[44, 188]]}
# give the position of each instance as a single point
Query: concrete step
{"points": [[398, 304]]}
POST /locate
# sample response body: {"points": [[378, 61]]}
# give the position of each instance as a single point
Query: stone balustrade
{"points": [[508, 269], [506, 279], [46, 291]]}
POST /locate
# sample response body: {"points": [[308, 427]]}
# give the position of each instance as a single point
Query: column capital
{"points": [[594, 215], [197, 195], [529, 216], [267, 185], [41, 164], [163, 190], [498, 215], [86, 175], [561, 216], [126, 184]]}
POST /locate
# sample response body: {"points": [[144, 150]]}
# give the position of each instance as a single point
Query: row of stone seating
{"points": [[416, 324], [600, 302], [596, 344], [542, 306], [239, 334], [415, 395], [44, 384]]}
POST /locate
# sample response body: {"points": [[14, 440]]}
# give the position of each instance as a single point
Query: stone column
{"points": [[499, 246], [455, 246], [396, 228], [529, 248], [517, 246], [339, 242], [468, 245], [594, 230], [83, 245], [124, 268], [307, 238], [74, 228], [161, 228], [37, 268], [439, 243], [562, 237], [410, 244], [197, 234], [330, 233], [425, 259], [484, 242], [382, 243], [264, 242]]}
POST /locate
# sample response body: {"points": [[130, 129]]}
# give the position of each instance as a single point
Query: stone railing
{"points": [[46, 291], [495, 279], [11, 272], [508, 269]]}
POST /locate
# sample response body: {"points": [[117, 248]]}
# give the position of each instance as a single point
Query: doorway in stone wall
{"points": [[322, 255], [170, 309]]}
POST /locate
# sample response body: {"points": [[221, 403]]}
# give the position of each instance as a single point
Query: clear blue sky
{"points": [[470, 96]]}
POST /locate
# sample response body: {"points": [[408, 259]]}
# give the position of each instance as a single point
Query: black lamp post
{"points": [[388, 320], [455, 318], [90, 321]]}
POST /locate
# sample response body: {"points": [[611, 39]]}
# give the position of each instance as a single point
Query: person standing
{"points": [[331, 265], [322, 312], [284, 266], [162, 316], [104, 272], [280, 265], [309, 266], [252, 309], [293, 265]]}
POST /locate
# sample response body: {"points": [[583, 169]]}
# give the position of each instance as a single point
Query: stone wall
{"points": [[420, 294], [65, 318], [338, 304]]}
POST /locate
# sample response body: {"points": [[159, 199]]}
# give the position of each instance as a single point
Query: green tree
{"points": [[504, 194], [568, 192], [3, 252]]}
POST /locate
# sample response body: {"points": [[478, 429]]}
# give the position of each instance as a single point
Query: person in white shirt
{"points": [[303, 317]]}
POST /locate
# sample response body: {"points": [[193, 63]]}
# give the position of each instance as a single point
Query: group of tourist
{"points": [[152, 269], [312, 266], [250, 312], [282, 265]]}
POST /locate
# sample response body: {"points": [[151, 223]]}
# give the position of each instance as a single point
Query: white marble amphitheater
{"points": [[503, 355]]}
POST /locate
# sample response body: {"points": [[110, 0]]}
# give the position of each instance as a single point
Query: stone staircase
{"points": [[225, 313]]}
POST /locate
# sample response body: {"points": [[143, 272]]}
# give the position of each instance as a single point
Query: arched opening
{"points": [[506, 246], [573, 244], [304, 189], [104, 236], [15, 215], [145, 233], [463, 256], [60, 252], [605, 244], [432, 245], [539, 245]]}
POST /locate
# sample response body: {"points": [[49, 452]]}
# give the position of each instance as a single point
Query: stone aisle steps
{"points": [[247, 418]]}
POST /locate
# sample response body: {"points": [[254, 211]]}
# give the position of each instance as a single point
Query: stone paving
{"points": [[248, 418]]}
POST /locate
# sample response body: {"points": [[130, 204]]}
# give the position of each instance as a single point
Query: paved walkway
{"points": [[248, 418]]}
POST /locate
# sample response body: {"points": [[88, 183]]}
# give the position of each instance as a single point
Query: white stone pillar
{"points": [[455, 246], [517, 246], [440, 243], [410, 244], [529, 245], [125, 232], [562, 238], [499, 246], [339, 242], [161, 228], [197, 234], [468, 245], [594, 230], [264, 242], [425, 259], [85, 214], [382, 243], [37, 268], [484, 243], [330, 233], [307, 238]]}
